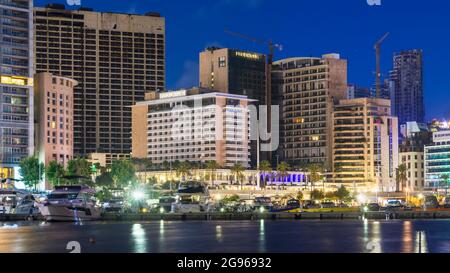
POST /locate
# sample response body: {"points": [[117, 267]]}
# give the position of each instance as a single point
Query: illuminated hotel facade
{"points": [[194, 125], [310, 87], [16, 85], [236, 72], [365, 144]]}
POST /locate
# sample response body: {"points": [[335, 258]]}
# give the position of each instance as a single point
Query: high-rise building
{"points": [[365, 144], [236, 72], [407, 77], [115, 58], [310, 88], [16, 84], [195, 125], [53, 102]]}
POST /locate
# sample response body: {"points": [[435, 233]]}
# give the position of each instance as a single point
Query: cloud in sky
{"points": [[189, 75]]}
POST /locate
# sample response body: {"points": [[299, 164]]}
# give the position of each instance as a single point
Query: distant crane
{"points": [[270, 56], [272, 46], [377, 48]]}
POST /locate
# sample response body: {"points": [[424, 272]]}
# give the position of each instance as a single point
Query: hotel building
{"points": [[310, 87], [54, 117], [236, 72], [115, 58], [437, 159], [54, 114], [194, 125], [16, 84], [365, 144]]}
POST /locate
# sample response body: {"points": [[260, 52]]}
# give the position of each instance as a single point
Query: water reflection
{"points": [[372, 236], [407, 239], [262, 236], [421, 242], [219, 233], [139, 238], [249, 236], [161, 238]]}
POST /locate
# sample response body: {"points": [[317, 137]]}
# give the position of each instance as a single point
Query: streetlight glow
{"points": [[138, 195]]}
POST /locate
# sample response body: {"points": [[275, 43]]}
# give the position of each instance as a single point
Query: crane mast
{"points": [[378, 64]]}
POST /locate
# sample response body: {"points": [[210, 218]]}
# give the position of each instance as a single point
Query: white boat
{"points": [[70, 203], [192, 197]]}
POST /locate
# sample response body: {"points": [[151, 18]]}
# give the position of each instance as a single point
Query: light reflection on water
{"points": [[407, 238], [139, 238], [230, 236], [262, 236]]}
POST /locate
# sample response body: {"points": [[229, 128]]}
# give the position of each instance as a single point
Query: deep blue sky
{"points": [[305, 28]]}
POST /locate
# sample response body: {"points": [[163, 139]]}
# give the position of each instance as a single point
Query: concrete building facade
{"points": [[106, 160], [310, 88], [114, 57], [16, 85], [365, 144], [408, 95], [194, 125], [54, 117]]}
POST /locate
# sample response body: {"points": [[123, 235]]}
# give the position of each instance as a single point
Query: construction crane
{"points": [[377, 48], [270, 56]]}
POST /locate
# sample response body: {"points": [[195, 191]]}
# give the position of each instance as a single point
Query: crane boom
{"points": [[377, 48], [269, 62]]}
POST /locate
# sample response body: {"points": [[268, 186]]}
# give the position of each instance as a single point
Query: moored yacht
{"points": [[70, 203]]}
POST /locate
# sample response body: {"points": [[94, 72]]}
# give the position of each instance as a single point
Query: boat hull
{"points": [[55, 213]]}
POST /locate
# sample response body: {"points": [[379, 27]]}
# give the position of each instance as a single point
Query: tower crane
{"points": [[270, 56], [377, 48]]}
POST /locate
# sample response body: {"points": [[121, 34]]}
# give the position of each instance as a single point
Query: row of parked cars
{"points": [[430, 202]]}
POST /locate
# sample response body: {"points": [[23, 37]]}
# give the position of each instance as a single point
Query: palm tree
{"points": [[283, 170], [265, 168], [238, 171], [315, 172], [401, 177], [212, 166], [184, 169], [142, 165], [444, 182]]}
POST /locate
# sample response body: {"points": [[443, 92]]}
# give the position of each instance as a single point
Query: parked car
{"points": [[308, 204], [372, 207], [328, 205], [431, 202], [115, 204]]}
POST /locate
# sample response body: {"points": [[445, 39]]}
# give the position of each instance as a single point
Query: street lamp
{"points": [[138, 195]]}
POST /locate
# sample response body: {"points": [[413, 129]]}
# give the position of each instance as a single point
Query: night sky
{"points": [[305, 28]]}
